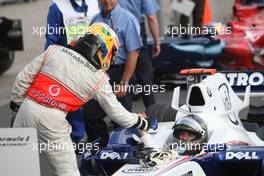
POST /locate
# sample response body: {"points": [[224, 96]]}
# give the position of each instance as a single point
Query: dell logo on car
{"points": [[241, 155], [113, 156]]}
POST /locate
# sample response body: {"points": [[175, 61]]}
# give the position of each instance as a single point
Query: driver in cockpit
{"points": [[189, 135], [188, 138]]}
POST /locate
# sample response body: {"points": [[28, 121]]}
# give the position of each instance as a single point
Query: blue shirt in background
{"points": [[127, 29], [140, 8]]}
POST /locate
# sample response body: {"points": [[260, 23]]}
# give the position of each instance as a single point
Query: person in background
{"points": [[67, 21], [61, 80], [142, 9], [197, 16], [128, 31]]}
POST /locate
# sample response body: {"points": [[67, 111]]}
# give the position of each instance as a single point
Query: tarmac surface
{"points": [[33, 16]]}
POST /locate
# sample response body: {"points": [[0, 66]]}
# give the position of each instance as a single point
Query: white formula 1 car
{"points": [[231, 150]]}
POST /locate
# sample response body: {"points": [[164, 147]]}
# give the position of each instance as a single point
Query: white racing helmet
{"points": [[194, 125]]}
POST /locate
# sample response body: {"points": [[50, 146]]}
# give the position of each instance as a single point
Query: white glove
{"points": [[148, 141], [158, 158]]}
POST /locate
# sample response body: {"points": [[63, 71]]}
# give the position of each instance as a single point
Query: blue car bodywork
{"points": [[177, 54], [227, 161]]}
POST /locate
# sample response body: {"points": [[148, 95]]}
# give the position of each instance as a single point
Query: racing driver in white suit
{"points": [[61, 80]]}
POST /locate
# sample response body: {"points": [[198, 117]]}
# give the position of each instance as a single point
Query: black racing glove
{"points": [[146, 123], [14, 109]]}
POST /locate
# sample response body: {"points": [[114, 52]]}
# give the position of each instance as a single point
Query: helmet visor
{"points": [[191, 125]]}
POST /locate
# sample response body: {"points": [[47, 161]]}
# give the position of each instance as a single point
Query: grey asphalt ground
{"points": [[33, 16]]}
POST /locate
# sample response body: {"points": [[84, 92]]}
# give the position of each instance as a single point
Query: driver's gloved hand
{"points": [[146, 123], [153, 158], [14, 109]]}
